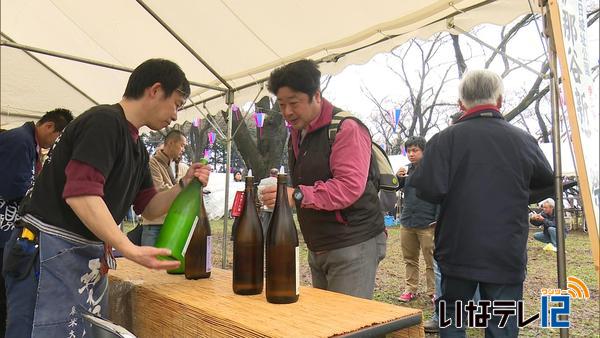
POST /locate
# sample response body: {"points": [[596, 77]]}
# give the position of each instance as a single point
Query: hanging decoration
{"points": [[396, 118], [236, 111], [212, 136], [259, 119], [197, 122]]}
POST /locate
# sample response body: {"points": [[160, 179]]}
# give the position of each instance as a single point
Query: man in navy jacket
{"points": [[19, 154], [479, 161]]}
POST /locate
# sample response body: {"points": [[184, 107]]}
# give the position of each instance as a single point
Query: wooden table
{"points": [[155, 304]]}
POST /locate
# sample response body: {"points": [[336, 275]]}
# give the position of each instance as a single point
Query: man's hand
{"points": [[269, 194], [146, 256], [537, 217], [401, 172], [199, 170]]}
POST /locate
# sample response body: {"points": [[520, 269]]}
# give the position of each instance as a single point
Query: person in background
{"points": [[59, 253], [546, 220], [273, 172], [479, 161], [180, 168], [21, 160], [237, 177], [418, 224], [164, 178], [334, 189]]}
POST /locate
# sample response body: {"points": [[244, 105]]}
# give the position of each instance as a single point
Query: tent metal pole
{"points": [[184, 44], [27, 116], [558, 191], [247, 85], [43, 64], [556, 149], [87, 61], [229, 101]]}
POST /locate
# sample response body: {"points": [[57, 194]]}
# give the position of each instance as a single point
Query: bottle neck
{"points": [[282, 194], [249, 190]]}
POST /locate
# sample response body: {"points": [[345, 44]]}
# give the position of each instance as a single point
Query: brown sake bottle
{"points": [[282, 250], [198, 256], [248, 246]]}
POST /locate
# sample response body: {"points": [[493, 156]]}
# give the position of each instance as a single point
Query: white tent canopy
{"points": [[241, 41]]}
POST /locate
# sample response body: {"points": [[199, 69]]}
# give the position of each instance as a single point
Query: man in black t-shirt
{"points": [[58, 255]]}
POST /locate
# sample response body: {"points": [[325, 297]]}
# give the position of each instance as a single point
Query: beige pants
{"points": [[414, 240]]}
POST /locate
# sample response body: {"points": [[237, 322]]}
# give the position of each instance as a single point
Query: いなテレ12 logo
{"points": [[555, 304]]}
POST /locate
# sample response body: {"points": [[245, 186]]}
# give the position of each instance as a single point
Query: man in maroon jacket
{"points": [[334, 189]]}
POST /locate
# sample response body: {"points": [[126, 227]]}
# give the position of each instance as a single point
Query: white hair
{"points": [[479, 87], [547, 200]]}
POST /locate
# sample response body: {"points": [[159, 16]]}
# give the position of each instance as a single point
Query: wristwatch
{"points": [[298, 195]]}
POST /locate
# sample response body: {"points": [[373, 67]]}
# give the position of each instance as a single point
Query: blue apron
{"points": [[70, 277], [67, 276]]}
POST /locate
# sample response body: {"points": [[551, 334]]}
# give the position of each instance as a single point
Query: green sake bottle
{"points": [[183, 216]]}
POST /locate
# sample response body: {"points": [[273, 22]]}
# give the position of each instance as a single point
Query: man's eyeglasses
{"points": [[184, 95]]}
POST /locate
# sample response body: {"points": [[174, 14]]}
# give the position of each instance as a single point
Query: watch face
{"points": [[298, 195]]}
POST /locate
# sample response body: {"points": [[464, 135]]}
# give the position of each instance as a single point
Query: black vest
{"points": [[328, 230]]}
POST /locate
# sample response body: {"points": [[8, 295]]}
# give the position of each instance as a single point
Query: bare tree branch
{"points": [[526, 20], [460, 59], [545, 137], [593, 16], [533, 95]]}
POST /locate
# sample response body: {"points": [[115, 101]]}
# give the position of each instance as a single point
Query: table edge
{"points": [[388, 327]]}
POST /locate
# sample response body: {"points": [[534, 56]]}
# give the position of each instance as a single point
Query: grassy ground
{"points": [[585, 314]]}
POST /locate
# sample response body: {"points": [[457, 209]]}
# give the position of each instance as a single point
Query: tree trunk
{"points": [[261, 151]]}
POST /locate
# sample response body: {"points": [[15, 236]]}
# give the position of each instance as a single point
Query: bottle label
{"points": [[189, 238], [297, 252], [208, 253]]}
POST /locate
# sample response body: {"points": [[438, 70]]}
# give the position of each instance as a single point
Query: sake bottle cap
{"points": [[249, 173], [281, 171]]}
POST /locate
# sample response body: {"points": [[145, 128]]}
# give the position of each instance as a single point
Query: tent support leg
{"points": [[229, 100], [558, 190]]}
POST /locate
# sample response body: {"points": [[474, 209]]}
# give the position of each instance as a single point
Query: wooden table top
{"points": [[170, 305]]}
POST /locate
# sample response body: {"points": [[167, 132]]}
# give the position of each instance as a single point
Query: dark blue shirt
{"points": [[416, 213], [17, 161], [18, 156]]}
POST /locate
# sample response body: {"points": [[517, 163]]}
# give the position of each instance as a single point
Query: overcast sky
{"points": [[344, 90]]}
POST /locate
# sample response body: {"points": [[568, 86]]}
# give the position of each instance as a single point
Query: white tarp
{"points": [[214, 203], [241, 40]]}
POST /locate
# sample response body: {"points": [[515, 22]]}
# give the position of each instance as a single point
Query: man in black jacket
{"points": [[481, 160]]}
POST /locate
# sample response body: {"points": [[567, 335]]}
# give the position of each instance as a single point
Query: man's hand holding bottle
{"points": [[268, 195], [401, 172], [200, 170]]}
